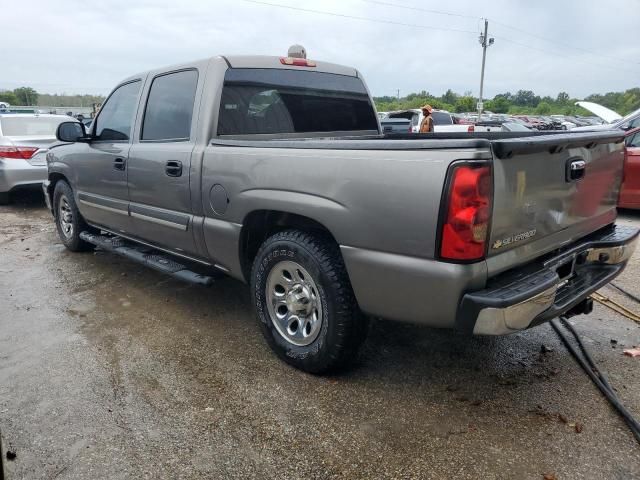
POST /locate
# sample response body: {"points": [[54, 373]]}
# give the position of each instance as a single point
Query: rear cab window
{"points": [[280, 101], [169, 110]]}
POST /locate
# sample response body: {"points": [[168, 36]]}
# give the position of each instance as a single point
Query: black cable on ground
{"points": [[586, 354], [627, 293], [594, 373]]}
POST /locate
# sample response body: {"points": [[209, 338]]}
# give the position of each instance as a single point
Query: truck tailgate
{"points": [[550, 191]]}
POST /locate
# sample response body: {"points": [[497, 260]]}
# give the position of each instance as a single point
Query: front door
{"points": [[160, 164], [101, 165]]}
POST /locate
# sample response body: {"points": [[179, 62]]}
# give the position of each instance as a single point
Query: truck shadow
{"points": [[397, 354]]}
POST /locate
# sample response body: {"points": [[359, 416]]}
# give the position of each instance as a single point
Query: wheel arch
{"points": [[258, 225], [53, 179]]}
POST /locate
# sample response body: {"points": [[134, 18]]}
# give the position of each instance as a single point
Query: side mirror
{"points": [[71, 132]]}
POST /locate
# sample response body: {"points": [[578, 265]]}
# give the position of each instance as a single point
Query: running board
{"points": [[155, 259]]}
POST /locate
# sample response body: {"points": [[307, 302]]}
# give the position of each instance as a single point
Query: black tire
{"points": [[73, 219], [4, 198], [343, 327]]}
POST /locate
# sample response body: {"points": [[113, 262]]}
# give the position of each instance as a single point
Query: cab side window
{"points": [[115, 119], [633, 140], [169, 107]]}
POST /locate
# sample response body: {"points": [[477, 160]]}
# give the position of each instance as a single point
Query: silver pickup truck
{"points": [[275, 171]]}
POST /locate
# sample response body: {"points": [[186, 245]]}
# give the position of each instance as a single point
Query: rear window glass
{"points": [[170, 106], [262, 101], [25, 126], [440, 118]]}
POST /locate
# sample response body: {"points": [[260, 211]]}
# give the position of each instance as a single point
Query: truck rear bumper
{"points": [[548, 288]]}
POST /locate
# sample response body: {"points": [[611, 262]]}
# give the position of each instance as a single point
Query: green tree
{"points": [[563, 98], [543, 108], [8, 97], [449, 97], [526, 98], [26, 96], [465, 104], [499, 104]]}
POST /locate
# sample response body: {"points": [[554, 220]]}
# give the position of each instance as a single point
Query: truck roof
{"points": [[254, 61]]}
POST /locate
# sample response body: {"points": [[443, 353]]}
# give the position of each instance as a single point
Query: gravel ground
{"points": [[111, 370]]}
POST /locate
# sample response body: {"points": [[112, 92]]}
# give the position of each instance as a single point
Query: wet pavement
{"points": [[111, 370]]}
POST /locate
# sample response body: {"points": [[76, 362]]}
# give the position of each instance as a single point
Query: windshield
{"points": [[31, 126], [276, 101]]}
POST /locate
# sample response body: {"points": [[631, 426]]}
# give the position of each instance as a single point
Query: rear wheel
{"points": [[69, 222], [304, 302]]}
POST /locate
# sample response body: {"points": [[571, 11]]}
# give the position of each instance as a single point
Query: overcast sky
{"points": [[82, 46]]}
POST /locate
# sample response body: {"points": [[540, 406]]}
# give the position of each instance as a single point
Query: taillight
{"points": [[471, 129], [297, 62], [23, 153], [468, 203]]}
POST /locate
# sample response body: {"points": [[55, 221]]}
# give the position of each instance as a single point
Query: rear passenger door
{"points": [[160, 163]]}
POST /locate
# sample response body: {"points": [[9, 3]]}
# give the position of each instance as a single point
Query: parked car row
{"points": [[404, 121]]}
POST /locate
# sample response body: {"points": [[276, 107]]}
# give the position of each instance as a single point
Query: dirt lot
{"points": [[111, 370]]}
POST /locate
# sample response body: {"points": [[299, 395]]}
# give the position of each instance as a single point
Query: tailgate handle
{"points": [[575, 169]]}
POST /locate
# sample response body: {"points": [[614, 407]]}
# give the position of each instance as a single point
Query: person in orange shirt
{"points": [[426, 126]]}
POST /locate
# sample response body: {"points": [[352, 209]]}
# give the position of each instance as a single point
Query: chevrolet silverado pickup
{"points": [[275, 171]]}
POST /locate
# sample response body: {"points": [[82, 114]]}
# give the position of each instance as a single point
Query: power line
{"points": [[366, 19], [516, 29], [427, 27], [417, 9], [555, 42], [568, 57]]}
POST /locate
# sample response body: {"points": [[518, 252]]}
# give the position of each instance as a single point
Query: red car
{"points": [[630, 189]]}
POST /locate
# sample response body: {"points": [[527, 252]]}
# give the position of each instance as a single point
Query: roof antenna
{"points": [[297, 51]]}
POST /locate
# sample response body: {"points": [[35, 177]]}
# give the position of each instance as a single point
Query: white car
{"points": [[24, 142], [442, 120], [612, 119]]}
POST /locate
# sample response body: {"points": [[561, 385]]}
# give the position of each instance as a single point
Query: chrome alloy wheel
{"points": [[294, 303], [65, 217]]}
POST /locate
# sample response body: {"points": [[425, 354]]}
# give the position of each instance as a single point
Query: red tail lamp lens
{"points": [[23, 153], [464, 232]]}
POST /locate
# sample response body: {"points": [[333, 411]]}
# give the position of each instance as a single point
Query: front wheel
{"points": [[304, 302], [69, 222], [4, 198]]}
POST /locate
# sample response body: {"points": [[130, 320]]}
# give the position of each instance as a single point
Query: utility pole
{"points": [[398, 94], [485, 42]]}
